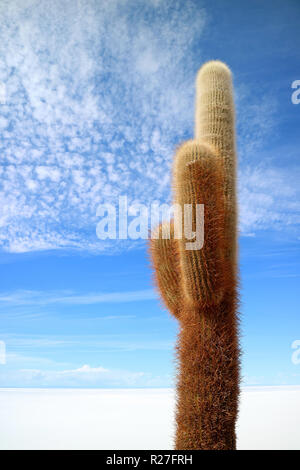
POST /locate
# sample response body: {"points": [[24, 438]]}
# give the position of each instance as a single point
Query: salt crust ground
{"points": [[135, 418]]}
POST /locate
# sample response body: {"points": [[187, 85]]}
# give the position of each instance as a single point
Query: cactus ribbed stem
{"points": [[200, 286], [207, 388]]}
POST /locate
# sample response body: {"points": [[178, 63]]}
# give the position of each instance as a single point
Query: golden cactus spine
{"points": [[199, 287]]}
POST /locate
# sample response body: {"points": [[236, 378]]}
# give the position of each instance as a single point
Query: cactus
{"points": [[199, 287]]}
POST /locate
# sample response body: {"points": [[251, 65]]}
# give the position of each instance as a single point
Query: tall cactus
{"points": [[199, 287]]}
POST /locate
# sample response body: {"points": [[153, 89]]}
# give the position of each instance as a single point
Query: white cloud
{"points": [[44, 172]]}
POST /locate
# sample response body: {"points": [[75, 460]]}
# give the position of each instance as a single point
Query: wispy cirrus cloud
{"points": [[29, 297], [93, 105], [25, 344], [269, 198]]}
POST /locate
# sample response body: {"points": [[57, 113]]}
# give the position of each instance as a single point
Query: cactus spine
{"points": [[199, 287]]}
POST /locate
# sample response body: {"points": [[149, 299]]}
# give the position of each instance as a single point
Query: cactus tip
{"points": [[214, 66]]}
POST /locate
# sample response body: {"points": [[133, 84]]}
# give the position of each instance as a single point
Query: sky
{"points": [[95, 96]]}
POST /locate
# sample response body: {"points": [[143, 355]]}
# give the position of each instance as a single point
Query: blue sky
{"points": [[97, 96]]}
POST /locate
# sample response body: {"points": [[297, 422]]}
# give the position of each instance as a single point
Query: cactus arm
{"points": [[198, 179], [165, 260]]}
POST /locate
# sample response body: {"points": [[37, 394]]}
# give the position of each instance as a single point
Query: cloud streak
{"points": [[29, 297], [85, 376]]}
